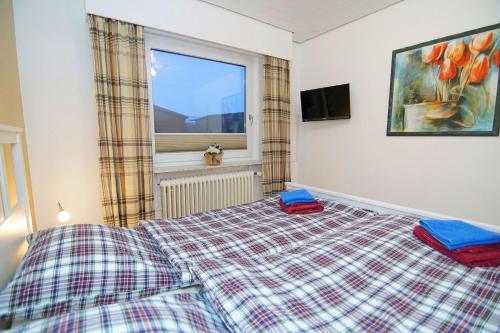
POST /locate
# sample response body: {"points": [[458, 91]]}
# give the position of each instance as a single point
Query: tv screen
{"points": [[326, 103]]}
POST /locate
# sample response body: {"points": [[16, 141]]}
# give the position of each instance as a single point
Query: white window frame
{"points": [[253, 62]]}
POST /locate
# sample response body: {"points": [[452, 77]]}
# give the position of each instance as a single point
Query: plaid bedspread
{"points": [[182, 312], [81, 266], [370, 276], [244, 231]]}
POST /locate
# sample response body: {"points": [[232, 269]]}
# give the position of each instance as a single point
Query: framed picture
{"points": [[447, 86]]}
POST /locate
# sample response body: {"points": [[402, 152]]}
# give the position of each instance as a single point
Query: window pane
{"points": [[195, 95]]}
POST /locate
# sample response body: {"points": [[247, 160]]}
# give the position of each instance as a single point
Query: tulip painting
{"points": [[447, 86]]}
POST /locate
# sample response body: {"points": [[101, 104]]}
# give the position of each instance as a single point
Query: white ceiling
{"points": [[305, 18]]}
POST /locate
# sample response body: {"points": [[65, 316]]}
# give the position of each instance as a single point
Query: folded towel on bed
{"points": [[456, 234], [302, 208], [488, 257], [296, 196], [478, 248]]}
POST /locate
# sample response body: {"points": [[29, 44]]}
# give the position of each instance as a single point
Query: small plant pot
{"points": [[213, 159]]}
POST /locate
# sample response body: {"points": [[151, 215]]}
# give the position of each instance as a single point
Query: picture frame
{"points": [[447, 86]]}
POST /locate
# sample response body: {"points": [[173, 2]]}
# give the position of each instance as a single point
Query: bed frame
{"points": [[382, 207], [15, 221]]}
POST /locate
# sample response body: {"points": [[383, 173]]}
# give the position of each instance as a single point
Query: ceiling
{"points": [[305, 18]]}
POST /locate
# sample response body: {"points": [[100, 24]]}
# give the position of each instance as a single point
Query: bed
{"points": [[251, 268], [76, 267]]}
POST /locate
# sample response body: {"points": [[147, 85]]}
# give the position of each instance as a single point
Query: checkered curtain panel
{"points": [[125, 146], [276, 130]]}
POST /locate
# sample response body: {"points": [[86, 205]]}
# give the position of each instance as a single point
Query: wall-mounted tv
{"points": [[326, 103]]}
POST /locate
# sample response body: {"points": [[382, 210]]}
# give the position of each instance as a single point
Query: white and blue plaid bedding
{"points": [[250, 230], [181, 312], [349, 270], [370, 276], [81, 266]]}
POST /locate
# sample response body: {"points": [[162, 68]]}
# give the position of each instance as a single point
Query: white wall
{"points": [[55, 72], [458, 176], [199, 20]]}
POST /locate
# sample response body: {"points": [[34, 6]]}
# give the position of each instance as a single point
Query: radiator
{"points": [[190, 195]]}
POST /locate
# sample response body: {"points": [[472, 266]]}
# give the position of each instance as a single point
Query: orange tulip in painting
{"points": [[481, 42], [458, 52], [448, 70], [479, 69], [433, 53], [448, 86]]}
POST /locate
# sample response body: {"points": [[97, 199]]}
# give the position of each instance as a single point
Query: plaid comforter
{"points": [[343, 270], [370, 276], [250, 230], [81, 266], [182, 312]]}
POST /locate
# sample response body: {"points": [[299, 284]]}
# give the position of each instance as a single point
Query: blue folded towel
{"points": [[296, 196], [458, 234]]}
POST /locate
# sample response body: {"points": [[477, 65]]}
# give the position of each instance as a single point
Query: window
{"points": [[202, 94], [193, 95]]}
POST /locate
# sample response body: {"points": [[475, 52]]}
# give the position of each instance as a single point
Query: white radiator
{"points": [[190, 195]]}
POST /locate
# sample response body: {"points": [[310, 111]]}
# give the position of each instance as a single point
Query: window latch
{"points": [[250, 119]]}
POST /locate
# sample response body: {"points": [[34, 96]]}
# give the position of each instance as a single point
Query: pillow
{"points": [[178, 312], [80, 266]]}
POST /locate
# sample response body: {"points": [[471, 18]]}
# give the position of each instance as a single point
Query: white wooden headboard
{"points": [[15, 218]]}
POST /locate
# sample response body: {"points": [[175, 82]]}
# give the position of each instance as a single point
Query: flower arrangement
{"points": [[213, 154], [455, 65]]}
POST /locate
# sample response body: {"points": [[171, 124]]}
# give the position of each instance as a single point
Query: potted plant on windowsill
{"points": [[213, 155]]}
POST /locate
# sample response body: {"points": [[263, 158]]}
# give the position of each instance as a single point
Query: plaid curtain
{"points": [[276, 116], [125, 146]]}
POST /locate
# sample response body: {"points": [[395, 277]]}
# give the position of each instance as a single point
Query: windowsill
{"points": [[203, 167]]}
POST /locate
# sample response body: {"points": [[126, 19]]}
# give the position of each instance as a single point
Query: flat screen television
{"points": [[326, 103]]}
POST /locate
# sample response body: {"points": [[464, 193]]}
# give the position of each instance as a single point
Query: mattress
{"points": [[244, 231], [369, 276]]}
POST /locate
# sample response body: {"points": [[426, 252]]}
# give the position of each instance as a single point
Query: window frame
{"points": [[253, 67]]}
